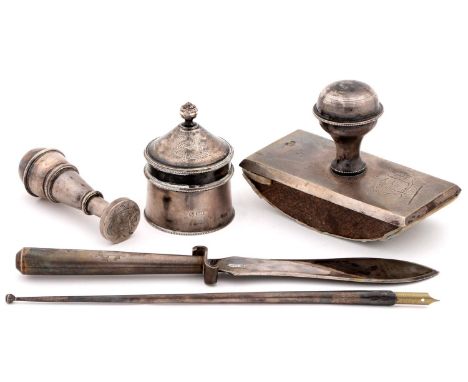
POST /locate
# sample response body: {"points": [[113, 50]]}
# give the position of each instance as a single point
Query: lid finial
{"points": [[188, 111]]}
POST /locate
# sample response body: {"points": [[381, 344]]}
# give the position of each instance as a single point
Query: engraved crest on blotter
{"points": [[398, 184]]}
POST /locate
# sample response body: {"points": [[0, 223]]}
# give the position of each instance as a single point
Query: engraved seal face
{"points": [[120, 220]]}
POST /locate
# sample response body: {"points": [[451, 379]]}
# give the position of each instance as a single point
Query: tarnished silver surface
{"points": [[348, 110], [188, 174], [363, 197], [188, 148], [348, 103], [47, 261], [48, 175], [387, 191], [359, 269], [366, 297], [189, 211]]}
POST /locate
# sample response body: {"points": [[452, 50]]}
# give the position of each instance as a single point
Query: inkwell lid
{"points": [[188, 149]]}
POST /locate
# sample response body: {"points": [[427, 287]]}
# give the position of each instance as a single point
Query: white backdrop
{"points": [[100, 79]]}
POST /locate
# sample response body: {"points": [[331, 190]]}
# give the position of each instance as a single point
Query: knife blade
{"points": [[358, 269]]}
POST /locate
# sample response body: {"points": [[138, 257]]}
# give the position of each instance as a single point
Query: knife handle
{"points": [[46, 261]]}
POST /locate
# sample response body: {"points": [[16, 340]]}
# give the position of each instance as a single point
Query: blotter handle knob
{"points": [[348, 110]]}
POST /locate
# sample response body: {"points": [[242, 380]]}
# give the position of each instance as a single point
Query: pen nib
{"points": [[414, 298]]}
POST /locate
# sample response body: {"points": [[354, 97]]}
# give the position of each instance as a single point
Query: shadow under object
{"points": [[332, 186]]}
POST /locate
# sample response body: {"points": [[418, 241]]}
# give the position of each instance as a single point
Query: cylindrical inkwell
{"points": [[189, 172]]}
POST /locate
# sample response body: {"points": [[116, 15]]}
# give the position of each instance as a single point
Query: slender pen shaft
{"points": [[370, 297]]}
